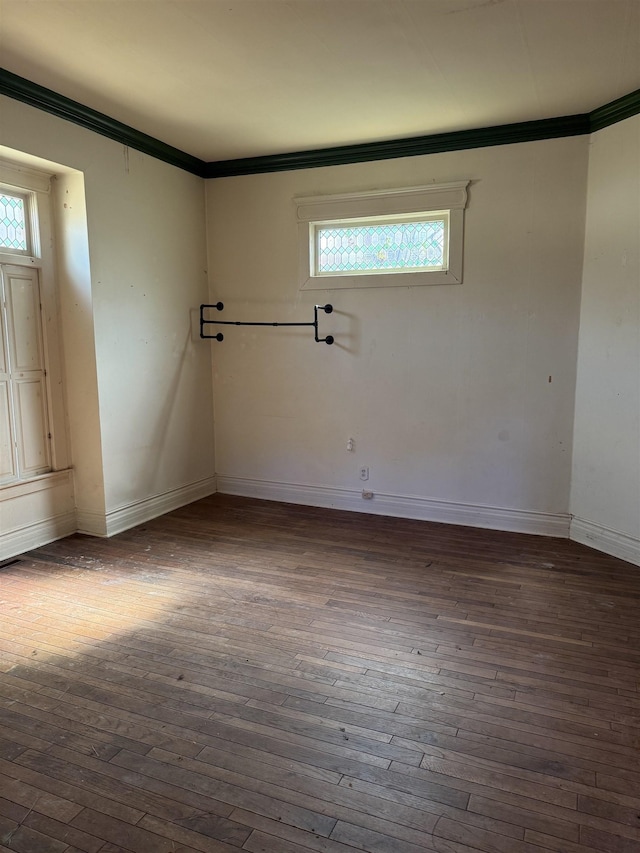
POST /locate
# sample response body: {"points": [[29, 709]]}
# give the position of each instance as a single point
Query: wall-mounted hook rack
{"points": [[220, 337]]}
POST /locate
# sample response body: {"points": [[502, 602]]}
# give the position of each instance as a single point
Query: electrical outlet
{"points": [[364, 472], [351, 445]]}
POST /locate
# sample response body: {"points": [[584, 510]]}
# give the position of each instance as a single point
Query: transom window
{"points": [[382, 238], [14, 228], [371, 246]]}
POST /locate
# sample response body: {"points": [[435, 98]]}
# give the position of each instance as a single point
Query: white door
{"points": [[24, 436], [8, 459]]}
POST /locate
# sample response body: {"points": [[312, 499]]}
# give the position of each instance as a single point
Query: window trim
{"points": [[389, 204]]}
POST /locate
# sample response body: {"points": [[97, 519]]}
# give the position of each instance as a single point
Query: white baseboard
{"points": [[91, 522], [605, 539], [35, 535], [138, 512], [401, 506]]}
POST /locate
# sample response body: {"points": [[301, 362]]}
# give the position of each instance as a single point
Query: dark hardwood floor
{"points": [[246, 675]]}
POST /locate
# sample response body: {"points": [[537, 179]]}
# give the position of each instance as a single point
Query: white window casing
{"points": [[443, 202]]}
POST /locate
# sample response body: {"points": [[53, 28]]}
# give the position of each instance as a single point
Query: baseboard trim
{"points": [[37, 534], [91, 522], [605, 539], [138, 512], [401, 506]]}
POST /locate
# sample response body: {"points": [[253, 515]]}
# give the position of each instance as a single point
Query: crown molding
{"points": [[45, 99], [49, 101], [504, 134], [615, 111]]}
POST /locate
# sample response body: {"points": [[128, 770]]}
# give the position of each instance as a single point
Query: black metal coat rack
{"points": [[220, 337]]}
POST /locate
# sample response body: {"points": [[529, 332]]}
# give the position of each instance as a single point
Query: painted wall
{"points": [[75, 307], [147, 258], [459, 398], [605, 496]]}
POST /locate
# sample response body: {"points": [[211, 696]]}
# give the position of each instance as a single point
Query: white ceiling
{"points": [[222, 79]]}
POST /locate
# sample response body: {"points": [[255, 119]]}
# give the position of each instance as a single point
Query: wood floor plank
{"points": [[264, 798], [247, 675], [21, 839], [205, 832], [339, 802], [260, 842], [389, 828], [528, 820], [130, 837], [55, 829], [367, 839], [47, 803], [44, 784]]}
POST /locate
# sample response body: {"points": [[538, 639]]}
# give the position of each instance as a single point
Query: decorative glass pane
{"points": [[369, 248], [13, 231]]}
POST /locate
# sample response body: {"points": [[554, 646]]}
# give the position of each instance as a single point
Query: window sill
{"points": [[356, 282], [50, 480]]}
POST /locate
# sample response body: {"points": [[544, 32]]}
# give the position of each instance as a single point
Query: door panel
{"points": [[7, 450], [23, 316], [4, 363], [31, 426], [24, 427]]}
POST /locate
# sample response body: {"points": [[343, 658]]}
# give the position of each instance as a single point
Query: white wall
{"points": [[75, 306], [605, 495], [459, 398], [445, 389], [147, 258]]}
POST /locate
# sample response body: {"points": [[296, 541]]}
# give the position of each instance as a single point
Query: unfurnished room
{"points": [[320, 426]]}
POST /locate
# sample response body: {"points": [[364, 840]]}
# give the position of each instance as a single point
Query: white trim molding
{"points": [[35, 512], [448, 199], [24, 177], [91, 522], [41, 483], [605, 539], [37, 534], [124, 517], [401, 506]]}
